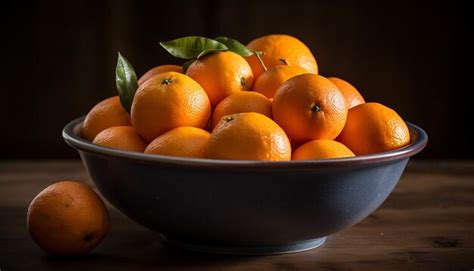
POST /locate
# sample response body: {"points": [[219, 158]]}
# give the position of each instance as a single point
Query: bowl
{"points": [[243, 207]]}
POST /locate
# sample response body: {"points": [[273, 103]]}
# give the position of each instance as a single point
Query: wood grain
{"points": [[426, 224]]}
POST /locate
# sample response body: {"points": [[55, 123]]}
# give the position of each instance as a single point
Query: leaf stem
{"points": [[258, 55]]}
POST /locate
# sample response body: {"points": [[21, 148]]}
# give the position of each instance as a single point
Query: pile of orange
{"points": [[263, 101], [228, 106]]}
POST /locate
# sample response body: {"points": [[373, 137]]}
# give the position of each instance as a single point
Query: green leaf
{"points": [[125, 81], [235, 46], [206, 52], [187, 64], [192, 47]]}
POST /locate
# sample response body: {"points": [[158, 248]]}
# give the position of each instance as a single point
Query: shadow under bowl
{"points": [[243, 207]]}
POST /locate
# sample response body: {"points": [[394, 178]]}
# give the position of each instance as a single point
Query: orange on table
{"points": [[240, 102], [157, 70], [249, 136], [275, 47], [106, 114], [166, 101], [221, 74], [182, 141], [67, 218], [351, 94], [308, 107], [372, 128], [321, 149], [121, 137], [269, 81]]}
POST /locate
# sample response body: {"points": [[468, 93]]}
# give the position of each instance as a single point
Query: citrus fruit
{"points": [[182, 141], [121, 137], [351, 94], [309, 106], [372, 128], [166, 101], [240, 102], [321, 149], [221, 74], [159, 69], [276, 47], [249, 136], [269, 81], [106, 114], [67, 218]]}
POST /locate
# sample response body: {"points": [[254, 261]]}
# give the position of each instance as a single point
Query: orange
{"points": [[159, 69], [249, 136], [321, 149], [221, 74], [67, 218], [309, 106], [351, 94], [121, 137], [373, 128], [166, 101], [181, 141], [269, 81], [240, 102], [106, 114], [276, 47]]}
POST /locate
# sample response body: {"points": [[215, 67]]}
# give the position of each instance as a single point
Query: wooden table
{"points": [[426, 224]]}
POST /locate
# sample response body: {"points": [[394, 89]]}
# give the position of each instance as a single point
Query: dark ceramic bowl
{"points": [[243, 207]]}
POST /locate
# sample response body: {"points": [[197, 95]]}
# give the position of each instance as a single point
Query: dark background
{"points": [[58, 58]]}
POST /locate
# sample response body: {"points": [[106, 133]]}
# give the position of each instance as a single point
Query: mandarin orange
{"points": [[249, 136], [221, 74], [121, 137], [67, 218], [182, 141], [240, 102], [351, 94], [157, 70], [281, 47], [106, 114], [269, 81], [372, 128], [308, 107], [321, 149], [166, 101]]}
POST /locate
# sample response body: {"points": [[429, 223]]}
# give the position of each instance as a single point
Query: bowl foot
{"points": [[247, 250]]}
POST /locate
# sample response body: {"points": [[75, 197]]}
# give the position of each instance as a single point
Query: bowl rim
{"points": [[71, 136]]}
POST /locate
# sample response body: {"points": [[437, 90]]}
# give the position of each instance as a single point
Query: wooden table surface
{"points": [[427, 223]]}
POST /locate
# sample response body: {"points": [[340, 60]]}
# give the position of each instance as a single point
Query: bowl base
{"points": [[247, 250]]}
